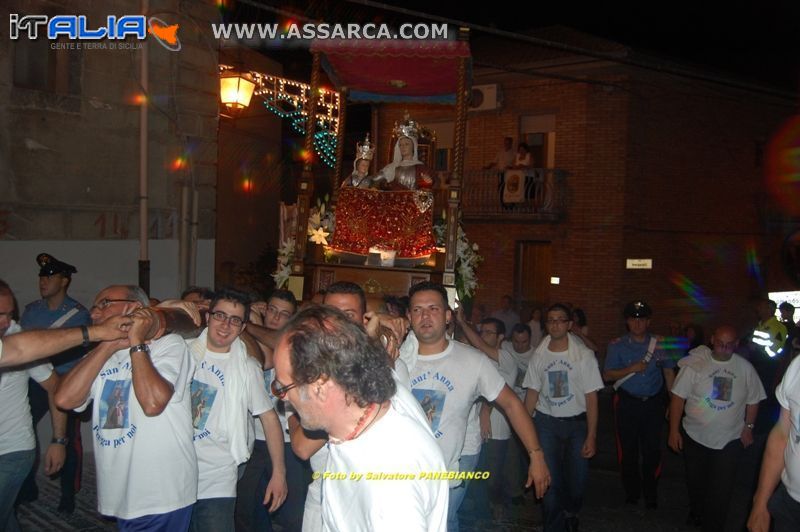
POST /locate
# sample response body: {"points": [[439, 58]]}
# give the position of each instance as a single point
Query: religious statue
{"points": [[406, 171], [397, 220], [360, 177]]}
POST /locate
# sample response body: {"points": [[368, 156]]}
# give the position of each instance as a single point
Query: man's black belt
{"points": [[636, 397], [578, 417]]}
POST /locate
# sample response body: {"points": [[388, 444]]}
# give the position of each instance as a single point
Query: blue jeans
{"points": [[465, 463], [213, 515], [784, 510], [14, 468], [175, 521], [562, 440]]}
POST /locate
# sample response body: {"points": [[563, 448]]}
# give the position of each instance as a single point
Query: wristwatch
{"points": [[750, 426], [62, 441], [144, 348]]}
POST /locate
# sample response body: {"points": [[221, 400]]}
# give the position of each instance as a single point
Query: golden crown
{"points": [[364, 150]]}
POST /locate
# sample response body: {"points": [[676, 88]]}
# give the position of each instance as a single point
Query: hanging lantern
{"points": [[235, 90]]}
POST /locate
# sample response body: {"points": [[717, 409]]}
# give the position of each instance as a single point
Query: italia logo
{"points": [[76, 27]]}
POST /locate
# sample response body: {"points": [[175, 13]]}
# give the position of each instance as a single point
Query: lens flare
{"points": [[693, 292], [753, 264], [782, 167], [674, 346], [138, 99], [179, 163]]}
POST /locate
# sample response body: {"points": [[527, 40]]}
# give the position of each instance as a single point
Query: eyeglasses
{"points": [[279, 390], [275, 311], [105, 302], [234, 321], [556, 321]]}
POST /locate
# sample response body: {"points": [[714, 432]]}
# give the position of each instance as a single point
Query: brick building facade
{"points": [[658, 165]]}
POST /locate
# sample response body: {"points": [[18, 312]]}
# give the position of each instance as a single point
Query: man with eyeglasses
{"points": [[641, 369], [141, 417], [226, 392], [55, 310], [251, 513], [562, 383], [495, 430], [521, 348], [349, 298], [339, 381], [718, 391], [449, 377]]}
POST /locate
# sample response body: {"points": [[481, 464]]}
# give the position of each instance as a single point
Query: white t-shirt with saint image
{"points": [[446, 385], [563, 379], [716, 395], [217, 468], [145, 464]]}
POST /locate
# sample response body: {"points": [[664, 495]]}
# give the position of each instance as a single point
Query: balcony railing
{"points": [[544, 197]]}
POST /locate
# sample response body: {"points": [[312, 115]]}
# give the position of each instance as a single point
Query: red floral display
{"points": [[390, 220]]}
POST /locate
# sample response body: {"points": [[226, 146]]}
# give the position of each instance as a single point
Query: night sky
{"points": [[755, 41]]}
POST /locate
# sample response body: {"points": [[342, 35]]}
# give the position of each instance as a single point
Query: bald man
{"points": [[719, 392]]}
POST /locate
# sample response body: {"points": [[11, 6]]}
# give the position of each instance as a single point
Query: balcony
{"points": [[544, 196]]}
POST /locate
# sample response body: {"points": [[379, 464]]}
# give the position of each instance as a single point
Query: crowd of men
{"points": [[332, 417]]}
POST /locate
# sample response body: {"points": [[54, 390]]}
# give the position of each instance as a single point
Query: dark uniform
{"points": [[38, 315], [639, 408]]}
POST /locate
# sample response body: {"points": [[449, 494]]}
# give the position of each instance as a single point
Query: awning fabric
{"points": [[413, 71]]}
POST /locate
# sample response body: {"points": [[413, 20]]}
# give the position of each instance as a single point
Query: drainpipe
{"points": [[144, 260]]}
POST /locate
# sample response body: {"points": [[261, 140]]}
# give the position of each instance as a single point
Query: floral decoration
{"points": [[467, 257]]}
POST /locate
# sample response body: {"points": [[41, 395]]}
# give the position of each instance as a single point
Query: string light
{"points": [[289, 100]]}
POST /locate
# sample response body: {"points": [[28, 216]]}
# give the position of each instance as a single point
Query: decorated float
{"points": [[398, 224]]}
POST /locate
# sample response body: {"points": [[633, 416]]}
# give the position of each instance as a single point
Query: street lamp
{"points": [[236, 90]]}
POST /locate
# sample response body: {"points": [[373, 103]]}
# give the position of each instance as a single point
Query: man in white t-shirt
{"points": [[17, 441], [381, 454], [719, 392], [141, 418], [781, 464], [562, 382], [251, 513], [494, 426], [447, 379], [519, 344], [227, 390], [350, 299]]}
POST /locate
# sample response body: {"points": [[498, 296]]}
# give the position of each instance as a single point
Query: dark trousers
{"points": [[562, 441], [70, 474], [476, 501], [251, 514], [516, 468], [639, 434], [496, 456], [710, 475], [298, 477], [784, 510]]}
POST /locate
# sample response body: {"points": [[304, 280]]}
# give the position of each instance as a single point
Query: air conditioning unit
{"points": [[485, 97]]}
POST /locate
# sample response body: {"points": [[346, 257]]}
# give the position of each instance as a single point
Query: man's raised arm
{"points": [[28, 346]]}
